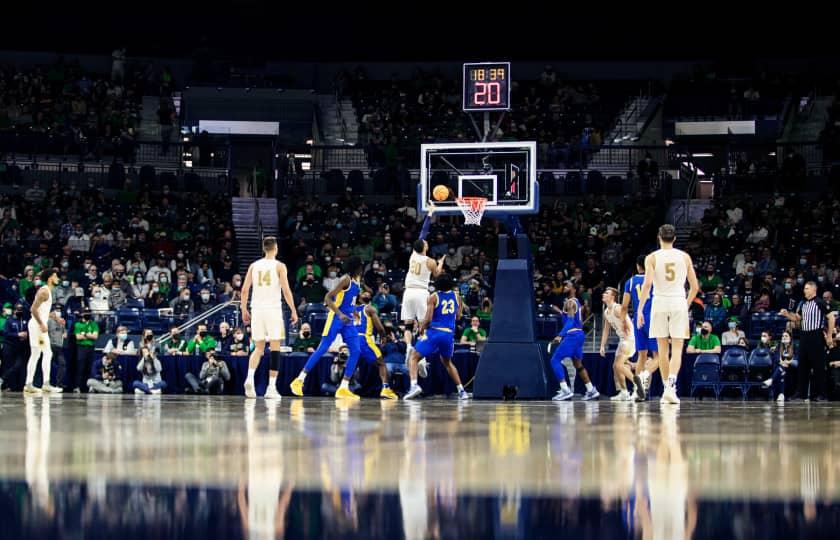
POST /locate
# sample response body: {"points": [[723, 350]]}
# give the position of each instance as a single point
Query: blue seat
{"points": [[733, 370], [706, 373], [760, 366], [130, 318], [309, 309], [317, 321], [157, 323]]}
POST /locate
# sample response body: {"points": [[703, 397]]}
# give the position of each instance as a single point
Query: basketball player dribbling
{"points": [[421, 268], [667, 270], [269, 278]]}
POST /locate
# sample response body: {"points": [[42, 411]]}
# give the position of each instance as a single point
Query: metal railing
{"points": [[200, 319]]}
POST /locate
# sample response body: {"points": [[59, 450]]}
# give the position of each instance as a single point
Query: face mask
{"points": [[820, 279], [697, 330], [732, 326], [164, 280], [7, 312], [788, 286], [375, 266], [344, 356], [388, 247], [86, 316], [452, 252], [202, 334], [785, 340], [205, 297], [38, 282], [306, 334], [65, 264], [98, 231], [237, 283], [704, 331], [749, 274], [122, 336], [800, 280], [333, 275], [185, 298], [486, 267], [180, 255], [802, 262], [338, 226], [238, 337]]}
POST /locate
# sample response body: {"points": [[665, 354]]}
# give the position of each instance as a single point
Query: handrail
{"points": [[339, 115], [198, 318]]}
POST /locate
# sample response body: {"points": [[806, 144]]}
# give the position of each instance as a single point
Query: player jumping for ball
{"points": [[667, 270], [416, 295], [570, 348]]}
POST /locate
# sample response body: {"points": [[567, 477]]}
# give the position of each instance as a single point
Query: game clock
{"points": [[487, 86]]}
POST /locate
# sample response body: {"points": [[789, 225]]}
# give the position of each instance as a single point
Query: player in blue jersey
{"points": [[647, 362], [442, 310], [341, 320], [568, 345], [367, 319]]}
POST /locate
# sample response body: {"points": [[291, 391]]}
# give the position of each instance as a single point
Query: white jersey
{"points": [[669, 273], [612, 317], [418, 272], [265, 285], [44, 309]]}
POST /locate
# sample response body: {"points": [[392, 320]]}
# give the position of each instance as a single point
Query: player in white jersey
{"points": [[270, 280], [421, 268], [667, 270], [39, 339], [615, 318]]}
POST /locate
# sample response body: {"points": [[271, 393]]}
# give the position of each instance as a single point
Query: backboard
{"points": [[505, 173]]}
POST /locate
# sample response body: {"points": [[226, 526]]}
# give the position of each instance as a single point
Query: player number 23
{"points": [[670, 275], [263, 278], [447, 307]]}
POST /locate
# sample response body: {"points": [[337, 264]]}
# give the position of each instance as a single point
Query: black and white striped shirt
{"points": [[813, 313]]}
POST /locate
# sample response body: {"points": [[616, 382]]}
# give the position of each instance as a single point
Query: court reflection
{"points": [[436, 469]]}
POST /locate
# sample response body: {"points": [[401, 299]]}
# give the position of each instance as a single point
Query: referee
{"points": [[812, 314]]}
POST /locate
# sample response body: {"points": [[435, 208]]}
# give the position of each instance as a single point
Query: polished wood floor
{"points": [[670, 456]]}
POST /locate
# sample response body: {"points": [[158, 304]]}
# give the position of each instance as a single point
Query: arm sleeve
{"points": [[424, 231]]}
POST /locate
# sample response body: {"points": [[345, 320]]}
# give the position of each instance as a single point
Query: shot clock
{"points": [[487, 86]]}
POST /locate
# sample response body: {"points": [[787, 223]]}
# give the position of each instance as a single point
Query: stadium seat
{"points": [[317, 321], [130, 318], [760, 365], [548, 184], [571, 184], [733, 370], [706, 373]]}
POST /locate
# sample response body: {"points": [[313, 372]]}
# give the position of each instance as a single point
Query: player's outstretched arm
{"points": [[693, 284], [427, 223], [283, 276], [244, 294]]}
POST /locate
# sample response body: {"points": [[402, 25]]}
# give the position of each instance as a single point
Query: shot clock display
{"points": [[487, 86]]}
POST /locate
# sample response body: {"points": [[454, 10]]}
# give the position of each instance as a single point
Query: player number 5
{"points": [[670, 275]]}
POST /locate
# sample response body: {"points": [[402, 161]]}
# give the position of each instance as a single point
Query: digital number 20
{"points": [[487, 93]]}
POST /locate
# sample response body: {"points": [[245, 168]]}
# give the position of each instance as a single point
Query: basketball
{"points": [[440, 193]]}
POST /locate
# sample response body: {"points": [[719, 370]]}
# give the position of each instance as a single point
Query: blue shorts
{"points": [[436, 341], [368, 350], [335, 326], [571, 346], [643, 340]]}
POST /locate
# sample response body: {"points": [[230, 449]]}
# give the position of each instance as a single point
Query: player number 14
{"points": [[263, 278]]}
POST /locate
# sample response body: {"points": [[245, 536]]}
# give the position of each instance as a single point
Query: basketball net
{"points": [[472, 208]]}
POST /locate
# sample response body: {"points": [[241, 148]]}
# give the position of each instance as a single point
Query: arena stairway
{"points": [[253, 218]]}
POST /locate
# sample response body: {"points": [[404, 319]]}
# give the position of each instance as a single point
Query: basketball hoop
{"points": [[472, 208]]}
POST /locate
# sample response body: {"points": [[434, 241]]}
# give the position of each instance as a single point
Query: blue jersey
{"points": [[446, 311], [633, 287], [346, 300], [571, 322], [364, 322]]}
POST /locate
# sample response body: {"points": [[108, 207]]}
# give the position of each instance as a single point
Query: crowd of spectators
{"points": [[62, 109]]}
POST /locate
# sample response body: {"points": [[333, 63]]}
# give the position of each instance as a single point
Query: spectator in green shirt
{"points": [[202, 341], [710, 280], [86, 332], [176, 343], [705, 341], [309, 268], [486, 310], [306, 342], [4, 316], [474, 333]]}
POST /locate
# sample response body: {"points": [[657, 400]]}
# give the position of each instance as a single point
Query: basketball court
{"points": [[316, 468]]}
